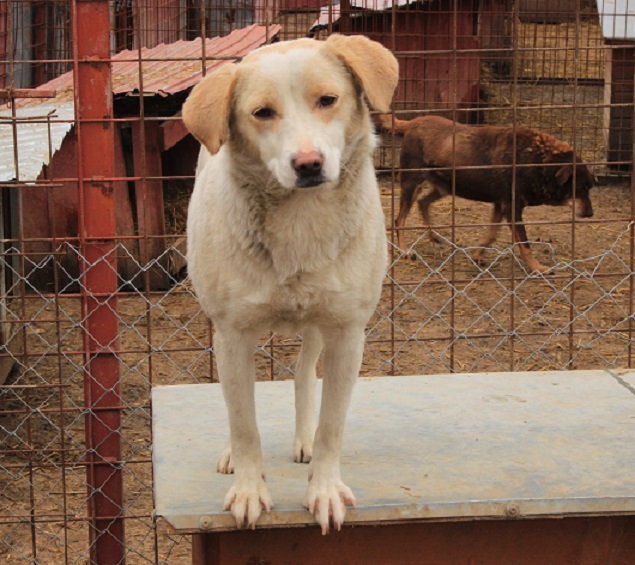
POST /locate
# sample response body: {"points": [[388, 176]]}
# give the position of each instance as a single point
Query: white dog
{"points": [[286, 232]]}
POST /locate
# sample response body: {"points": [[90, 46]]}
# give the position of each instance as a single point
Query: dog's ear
{"points": [[206, 110], [563, 174], [374, 66]]}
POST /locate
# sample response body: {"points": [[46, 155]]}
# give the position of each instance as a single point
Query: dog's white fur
{"points": [[264, 253]]}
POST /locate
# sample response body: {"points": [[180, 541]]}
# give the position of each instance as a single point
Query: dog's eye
{"points": [[264, 113], [326, 101]]}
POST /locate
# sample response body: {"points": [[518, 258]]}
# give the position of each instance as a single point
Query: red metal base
{"points": [[571, 541]]}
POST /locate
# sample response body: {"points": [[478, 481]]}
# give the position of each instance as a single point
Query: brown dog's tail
{"points": [[385, 122]]}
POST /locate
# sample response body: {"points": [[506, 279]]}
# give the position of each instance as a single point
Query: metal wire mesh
{"points": [[495, 62]]}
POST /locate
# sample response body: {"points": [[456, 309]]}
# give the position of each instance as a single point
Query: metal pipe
{"points": [[98, 271]]}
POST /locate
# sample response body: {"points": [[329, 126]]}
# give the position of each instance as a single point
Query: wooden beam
{"points": [[10, 93], [171, 132], [149, 197]]}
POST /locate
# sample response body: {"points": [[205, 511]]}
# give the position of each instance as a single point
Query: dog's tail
{"points": [[385, 122]]}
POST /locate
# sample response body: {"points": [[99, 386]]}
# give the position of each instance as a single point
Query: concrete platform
{"points": [[420, 448]]}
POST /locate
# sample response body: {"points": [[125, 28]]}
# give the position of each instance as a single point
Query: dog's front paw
{"points": [[225, 464], [478, 258], [246, 499], [327, 501], [540, 268]]}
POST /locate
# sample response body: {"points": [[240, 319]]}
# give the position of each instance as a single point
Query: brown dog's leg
{"points": [[410, 190], [492, 233], [519, 235], [424, 207]]}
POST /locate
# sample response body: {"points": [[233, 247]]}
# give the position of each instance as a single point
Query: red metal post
{"points": [[96, 167]]}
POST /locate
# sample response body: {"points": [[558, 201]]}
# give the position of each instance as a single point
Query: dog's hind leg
{"points": [[236, 368], [492, 233], [327, 495], [411, 186], [226, 463], [305, 379], [424, 208]]}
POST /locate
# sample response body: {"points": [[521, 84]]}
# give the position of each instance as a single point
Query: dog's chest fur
{"points": [[299, 233], [301, 243]]}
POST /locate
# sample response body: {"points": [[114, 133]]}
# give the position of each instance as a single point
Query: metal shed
{"points": [[146, 108], [435, 42]]}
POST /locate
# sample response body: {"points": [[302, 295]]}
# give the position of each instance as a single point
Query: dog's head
{"points": [[296, 107], [578, 195]]}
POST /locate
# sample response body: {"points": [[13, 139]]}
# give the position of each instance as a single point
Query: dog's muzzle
{"points": [[308, 169]]}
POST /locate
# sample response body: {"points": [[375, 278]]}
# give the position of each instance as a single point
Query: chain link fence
{"points": [[64, 496]]}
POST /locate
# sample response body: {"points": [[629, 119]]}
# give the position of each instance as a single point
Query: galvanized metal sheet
{"points": [[617, 18], [423, 447], [332, 13], [35, 145]]}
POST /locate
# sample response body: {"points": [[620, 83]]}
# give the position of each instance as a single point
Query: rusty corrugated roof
{"points": [[174, 67], [167, 68]]}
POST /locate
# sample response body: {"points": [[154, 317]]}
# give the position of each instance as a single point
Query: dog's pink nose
{"points": [[308, 168], [307, 162]]}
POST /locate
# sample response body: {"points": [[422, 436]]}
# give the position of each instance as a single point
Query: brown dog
{"points": [[478, 161]]}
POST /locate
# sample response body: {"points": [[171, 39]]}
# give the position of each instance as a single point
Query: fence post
{"points": [[96, 166]]}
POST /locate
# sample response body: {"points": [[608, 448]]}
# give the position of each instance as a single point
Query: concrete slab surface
{"points": [[438, 447]]}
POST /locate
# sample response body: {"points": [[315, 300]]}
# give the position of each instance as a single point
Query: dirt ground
{"points": [[439, 313]]}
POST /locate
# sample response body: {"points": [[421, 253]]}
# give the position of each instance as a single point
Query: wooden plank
{"points": [[149, 199], [12, 93], [621, 115], [579, 541], [171, 132], [495, 34]]}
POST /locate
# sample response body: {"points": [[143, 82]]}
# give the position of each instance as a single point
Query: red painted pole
{"points": [[96, 162]]}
